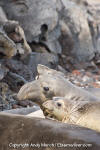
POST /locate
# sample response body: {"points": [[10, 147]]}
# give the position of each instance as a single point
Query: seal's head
{"points": [[55, 109], [48, 83], [66, 110], [74, 111]]}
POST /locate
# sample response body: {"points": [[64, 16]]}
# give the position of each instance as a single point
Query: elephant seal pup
{"points": [[50, 83], [74, 111], [21, 132]]}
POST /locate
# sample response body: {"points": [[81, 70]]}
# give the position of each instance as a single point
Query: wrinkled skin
{"points": [[74, 111], [50, 83]]}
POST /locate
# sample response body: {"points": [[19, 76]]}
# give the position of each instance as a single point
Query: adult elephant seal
{"points": [[19, 132], [74, 111], [50, 83]]}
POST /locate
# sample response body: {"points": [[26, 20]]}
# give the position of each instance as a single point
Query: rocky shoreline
{"points": [[61, 34]]}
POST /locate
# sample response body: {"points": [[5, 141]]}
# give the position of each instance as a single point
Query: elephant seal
{"points": [[50, 83], [20, 132], [74, 111]]}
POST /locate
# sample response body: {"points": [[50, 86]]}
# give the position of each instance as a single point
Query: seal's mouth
{"points": [[48, 113], [48, 109]]}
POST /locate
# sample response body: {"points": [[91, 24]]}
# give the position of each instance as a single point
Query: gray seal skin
{"points": [[16, 129], [50, 83], [74, 111]]}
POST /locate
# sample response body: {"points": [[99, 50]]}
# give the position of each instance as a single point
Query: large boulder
{"points": [[33, 59], [67, 26], [2, 15], [39, 19], [32, 15], [93, 13], [76, 37], [7, 46]]}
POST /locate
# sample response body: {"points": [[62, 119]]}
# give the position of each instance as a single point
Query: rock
{"points": [[14, 80], [72, 32], [32, 15], [18, 76], [12, 39], [33, 59], [61, 69], [39, 19], [76, 35], [2, 15], [92, 8], [16, 33], [22, 111], [87, 79], [6, 97], [7, 46], [52, 42], [15, 106], [25, 45], [3, 88], [61, 33], [38, 47], [3, 71], [26, 103], [15, 66]]}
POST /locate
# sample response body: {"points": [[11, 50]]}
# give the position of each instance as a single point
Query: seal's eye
{"points": [[59, 104], [46, 88]]}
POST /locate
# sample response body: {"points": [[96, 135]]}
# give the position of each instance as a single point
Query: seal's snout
{"points": [[22, 92], [48, 105], [45, 104], [20, 95], [26, 91], [31, 91]]}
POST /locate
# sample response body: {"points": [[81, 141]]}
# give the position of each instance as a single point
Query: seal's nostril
{"points": [[46, 88]]}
